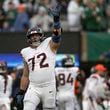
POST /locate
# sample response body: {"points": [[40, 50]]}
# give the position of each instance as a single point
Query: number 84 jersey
{"points": [[41, 63], [66, 78]]}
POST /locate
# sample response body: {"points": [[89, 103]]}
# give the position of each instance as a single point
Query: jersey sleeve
{"points": [[22, 52], [75, 71], [92, 89]]}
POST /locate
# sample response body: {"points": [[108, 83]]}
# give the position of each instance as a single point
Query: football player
{"points": [[95, 89], [5, 87], [39, 62], [66, 76]]}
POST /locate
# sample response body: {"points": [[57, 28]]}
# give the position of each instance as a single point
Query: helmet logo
{"points": [[33, 32]]}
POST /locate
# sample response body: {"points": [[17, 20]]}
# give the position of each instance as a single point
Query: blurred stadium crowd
{"points": [[90, 15]]}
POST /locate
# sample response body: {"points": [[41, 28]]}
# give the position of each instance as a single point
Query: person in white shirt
{"points": [[42, 19], [95, 89], [5, 87], [74, 13], [66, 76], [38, 80]]}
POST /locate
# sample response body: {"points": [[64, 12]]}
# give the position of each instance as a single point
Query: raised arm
{"points": [[56, 37]]}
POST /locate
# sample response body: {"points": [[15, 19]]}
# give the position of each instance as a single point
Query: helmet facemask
{"points": [[35, 36], [35, 40]]}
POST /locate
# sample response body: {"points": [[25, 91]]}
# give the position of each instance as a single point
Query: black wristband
{"points": [[22, 92], [56, 18]]}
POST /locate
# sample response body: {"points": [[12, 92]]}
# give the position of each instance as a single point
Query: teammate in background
{"points": [[95, 90], [38, 80], [66, 76], [5, 87], [16, 75]]}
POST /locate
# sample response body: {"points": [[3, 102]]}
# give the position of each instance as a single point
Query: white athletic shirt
{"points": [[5, 88], [91, 86], [66, 77], [41, 63]]}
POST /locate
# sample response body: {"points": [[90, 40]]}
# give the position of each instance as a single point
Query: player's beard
{"points": [[36, 43]]}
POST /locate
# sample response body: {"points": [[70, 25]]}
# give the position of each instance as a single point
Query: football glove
{"points": [[55, 12], [19, 99]]}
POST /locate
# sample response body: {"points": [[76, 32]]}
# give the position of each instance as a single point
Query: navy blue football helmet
{"points": [[67, 62], [35, 31]]}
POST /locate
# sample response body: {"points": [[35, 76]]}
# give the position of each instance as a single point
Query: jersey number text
{"points": [[42, 63], [62, 79]]}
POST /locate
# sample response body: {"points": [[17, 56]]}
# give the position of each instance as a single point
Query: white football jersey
{"points": [[95, 88], [41, 63], [92, 85], [5, 88], [66, 78]]}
